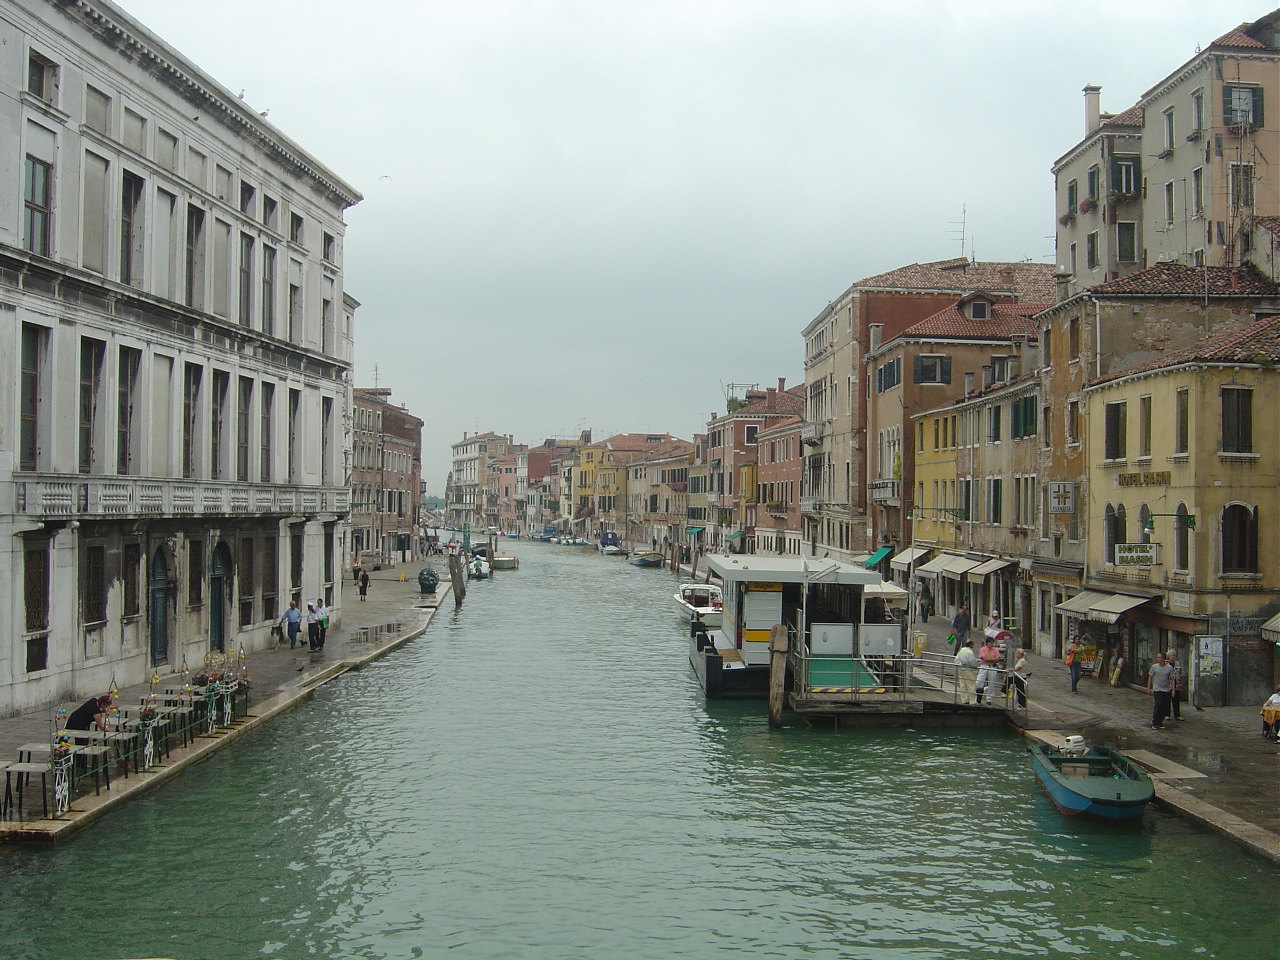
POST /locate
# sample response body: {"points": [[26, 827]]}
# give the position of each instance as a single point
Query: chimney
{"points": [[968, 384], [875, 331], [988, 375], [782, 384], [1006, 275], [770, 400], [1092, 108]]}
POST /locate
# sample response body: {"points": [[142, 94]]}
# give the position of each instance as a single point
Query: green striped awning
{"points": [[694, 531], [734, 536], [876, 557]]}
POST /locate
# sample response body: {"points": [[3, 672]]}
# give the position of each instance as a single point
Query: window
{"points": [[295, 409], [326, 440], [197, 167], [270, 212], [1094, 183], [1182, 421], [1197, 191], [1181, 539], [195, 256], [42, 77], [264, 432], [190, 418], [246, 199], [269, 572], [889, 375], [1124, 175], [1237, 420], [933, 369], [134, 132], [993, 424], [131, 229], [222, 182], [130, 572], [97, 110], [1091, 250], [1241, 105], [1168, 129], [1115, 441], [244, 405], [37, 205], [995, 500], [34, 340], [167, 150], [268, 290], [1127, 241], [93, 597], [1046, 347], [1073, 196], [1168, 202], [35, 585], [1239, 539], [1023, 417], [295, 312], [749, 433], [979, 310], [217, 413], [93, 215], [91, 355], [329, 248], [221, 268], [246, 280], [1197, 114], [326, 325], [1144, 427], [295, 228], [126, 412], [195, 572], [1242, 184], [245, 581], [1115, 530]]}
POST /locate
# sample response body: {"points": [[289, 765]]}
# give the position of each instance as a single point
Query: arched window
{"points": [[1181, 540], [1239, 539], [1144, 523], [1109, 534]]}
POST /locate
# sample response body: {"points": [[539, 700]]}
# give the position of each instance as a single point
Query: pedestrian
{"points": [[1159, 685], [966, 671], [960, 625], [994, 624], [926, 603], [1021, 671], [313, 627], [1271, 709], [989, 674], [292, 621], [364, 584], [355, 572], [1072, 660], [322, 617], [1176, 694]]}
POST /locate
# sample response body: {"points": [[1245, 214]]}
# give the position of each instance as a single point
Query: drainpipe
{"points": [[1097, 338]]}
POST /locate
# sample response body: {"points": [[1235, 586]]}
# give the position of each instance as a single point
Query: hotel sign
{"points": [[1149, 478], [1135, 554], [1062, 497]]}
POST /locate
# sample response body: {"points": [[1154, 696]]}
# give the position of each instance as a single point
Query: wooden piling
{"points": [[777, 673], [459, 582]]}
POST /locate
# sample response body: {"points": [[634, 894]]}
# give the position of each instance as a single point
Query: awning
{"points": [[890, 593], [935, 565], [908, 557], [876, 557], [860, 558], [735, 535], [958, 567], [1114, 607], [979, 573], [1271, 629], [694, 531], [1079, 605]]}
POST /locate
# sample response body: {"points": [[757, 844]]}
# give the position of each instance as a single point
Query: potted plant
{"points": [[1067, 218], [1087, 204]]}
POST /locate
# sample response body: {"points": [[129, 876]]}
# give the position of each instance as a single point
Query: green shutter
{"points": [[1257, 107], [919, 369], [946, 369]]}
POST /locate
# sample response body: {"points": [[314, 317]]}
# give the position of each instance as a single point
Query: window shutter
{"points": [[946, 369], [1226, 104], [919, 369], [1257, 106]]}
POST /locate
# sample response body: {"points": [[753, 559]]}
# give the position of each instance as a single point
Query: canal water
{"points": [[537, 777]]}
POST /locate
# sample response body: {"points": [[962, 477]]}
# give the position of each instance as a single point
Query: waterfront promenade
{"points": [[394, 613]]}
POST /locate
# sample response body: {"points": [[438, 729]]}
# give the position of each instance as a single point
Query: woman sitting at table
{"points": [[1271, 728], [92, 713]]}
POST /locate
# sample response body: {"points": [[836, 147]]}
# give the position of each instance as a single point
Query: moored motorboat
{"points": [[1098, 783], [703, 599], [505, 561], [478, 569], [646, 558]]}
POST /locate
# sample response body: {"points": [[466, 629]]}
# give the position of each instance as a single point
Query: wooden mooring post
{"points": [[777, 673], [458, 580]]}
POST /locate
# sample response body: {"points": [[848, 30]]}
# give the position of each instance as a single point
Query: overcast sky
{"points": [[601, 213]]}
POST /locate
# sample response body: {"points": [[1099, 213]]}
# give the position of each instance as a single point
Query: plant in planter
{"points": [[1067, 218], [1116, 197], [1087, 204]]}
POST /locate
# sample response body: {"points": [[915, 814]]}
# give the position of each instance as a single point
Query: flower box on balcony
{"points": [[1067, 218], [1087, 204], [1117, 197]]}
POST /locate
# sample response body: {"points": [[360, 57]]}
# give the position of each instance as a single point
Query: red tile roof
{"points": [[1256, 342], [1179, 279], [1006, 320], [631, 442], [1239, 38], [1268, 223], [962, 275], [1132, 117]]}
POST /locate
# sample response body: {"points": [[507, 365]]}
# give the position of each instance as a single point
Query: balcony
{"points": [[811, 433], [887, 492], [713, 499], [679, 486], [776, 508], [810, 504], [76, 496]]}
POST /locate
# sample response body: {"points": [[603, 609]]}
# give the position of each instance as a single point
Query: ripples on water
{"points": [[538, 777]]}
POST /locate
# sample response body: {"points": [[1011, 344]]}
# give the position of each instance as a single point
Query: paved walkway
{"points": [[393, 613]]}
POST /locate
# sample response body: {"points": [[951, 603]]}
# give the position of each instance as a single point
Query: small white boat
{"points": [[505, 562], [705, 599]]}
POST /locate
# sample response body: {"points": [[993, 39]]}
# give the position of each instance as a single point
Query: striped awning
{"points": [[694, 531], [876, 557], [1115, 606], [908, 557], [936, 565], [979, 573], [1078, 606], [1271, 629], [958, 567], [735, 535]]}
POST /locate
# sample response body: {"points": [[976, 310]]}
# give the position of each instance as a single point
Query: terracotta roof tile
{"points": [[1256, 342], [1179, 279], [1268, 223], [1238, 38], [1007, 320], [1126, 118], [962, 275]]}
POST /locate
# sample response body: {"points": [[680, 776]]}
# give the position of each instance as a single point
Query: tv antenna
{"points": [[958, 227]]}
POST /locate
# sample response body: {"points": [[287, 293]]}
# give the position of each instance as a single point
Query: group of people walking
{"points": [[316, 618]]}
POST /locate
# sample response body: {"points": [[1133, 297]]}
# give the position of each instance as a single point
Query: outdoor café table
{"points": [[24, 771]]}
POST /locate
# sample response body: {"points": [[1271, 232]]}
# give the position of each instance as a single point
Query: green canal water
{"points": [[537, 777]]}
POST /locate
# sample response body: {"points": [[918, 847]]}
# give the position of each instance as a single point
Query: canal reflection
{"points": [[538, 777]]}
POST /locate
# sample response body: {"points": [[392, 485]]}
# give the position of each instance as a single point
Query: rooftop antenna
{"points": [[375, 376], [958, 227]]}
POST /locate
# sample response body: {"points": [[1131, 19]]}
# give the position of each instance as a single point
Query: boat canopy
{"points": [[745, 567]]}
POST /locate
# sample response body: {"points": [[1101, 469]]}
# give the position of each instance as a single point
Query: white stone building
{"points": [[173, 422]]}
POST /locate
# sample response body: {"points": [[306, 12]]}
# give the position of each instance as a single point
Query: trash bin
{"points": [[917, 642]]}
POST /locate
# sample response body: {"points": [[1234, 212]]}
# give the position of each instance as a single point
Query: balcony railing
{"points": [[74, 495], [811, 433], [810, 504], [886, 491], [713, 499]]}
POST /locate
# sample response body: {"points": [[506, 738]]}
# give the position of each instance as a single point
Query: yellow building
{"points": [[1184, 468]]}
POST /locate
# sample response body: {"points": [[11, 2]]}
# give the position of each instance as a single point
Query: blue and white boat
{"points": [[1097, 783], [646, 558]]}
